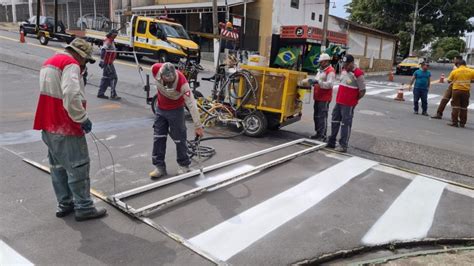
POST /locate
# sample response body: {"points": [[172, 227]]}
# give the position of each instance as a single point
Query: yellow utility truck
{"points": [[162, 38]]}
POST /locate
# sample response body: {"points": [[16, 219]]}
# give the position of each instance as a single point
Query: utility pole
{"points": [[325, 25], [215, 31], [415, 16], [412, 41]]}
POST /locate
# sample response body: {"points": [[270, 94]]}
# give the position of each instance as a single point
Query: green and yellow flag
{"points": [[311, 60], [287, 56]]}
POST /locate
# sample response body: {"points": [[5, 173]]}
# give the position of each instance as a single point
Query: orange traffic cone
{"points": [[399, 96], [390, 75], [22, 36], [441, 79]]}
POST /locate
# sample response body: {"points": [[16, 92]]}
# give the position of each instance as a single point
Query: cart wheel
{"points": [[153, 104], [43, 39], [255, 124]]}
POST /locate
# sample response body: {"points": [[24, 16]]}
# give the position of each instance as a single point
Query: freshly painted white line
{"points": [[410, 216], [239, 232], [374, 92], [9, 256], [471, 106], [204, 181]]}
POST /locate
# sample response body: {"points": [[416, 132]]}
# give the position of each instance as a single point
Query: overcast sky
{"points": [[339, 11]]}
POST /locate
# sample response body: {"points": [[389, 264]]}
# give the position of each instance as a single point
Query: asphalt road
{"points": [[316, 204]]}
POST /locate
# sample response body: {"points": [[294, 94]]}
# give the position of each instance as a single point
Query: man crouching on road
{"points": [[351, 90], [62, 117], [173, 93], [322, 95]]}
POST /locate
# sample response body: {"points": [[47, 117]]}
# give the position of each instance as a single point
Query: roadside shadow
{"points": [[112, 247]]}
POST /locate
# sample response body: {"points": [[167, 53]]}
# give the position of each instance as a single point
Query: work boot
{"points": [[424, 113], [183, 169], [462, 125], [102, 96], [64, 210], [158, 173], [436, 117], [341, 149], [453, 124], [331, 146], [115, 97], [93, 213]]}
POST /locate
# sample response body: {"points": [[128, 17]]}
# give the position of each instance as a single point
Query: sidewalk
{"points": [[9, 26]]}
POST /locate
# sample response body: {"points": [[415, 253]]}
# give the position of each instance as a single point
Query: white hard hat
{"points": [[324, 57]]}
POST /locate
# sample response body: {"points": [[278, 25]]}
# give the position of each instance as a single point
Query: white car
{"points": [[87, 21]]}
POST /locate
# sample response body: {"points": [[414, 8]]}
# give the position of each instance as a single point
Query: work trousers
{"points": [[320, 117], [69, 165], [423, 95], [341, 119], [446, 98], [169, 122], [459, 103], [109, 79]]}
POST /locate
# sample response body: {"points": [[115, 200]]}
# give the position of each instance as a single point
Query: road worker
{"points": [[63, 119], [108, 54], [351, 90], [461, 83], [173, 95], [322, 95]]}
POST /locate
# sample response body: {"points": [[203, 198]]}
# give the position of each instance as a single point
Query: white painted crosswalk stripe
{"points": [[471, 106], [375, 92], [410, 216], [9, 256], [230, 237]]}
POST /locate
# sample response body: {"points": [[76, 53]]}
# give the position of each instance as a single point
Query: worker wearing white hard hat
{"points": [[322, 95]]}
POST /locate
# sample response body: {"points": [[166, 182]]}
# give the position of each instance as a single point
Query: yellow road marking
{"points": [[58, 50]]}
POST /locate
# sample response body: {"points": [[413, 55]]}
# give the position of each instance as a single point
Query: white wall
{"points": [[285, 15], [356, 44]]}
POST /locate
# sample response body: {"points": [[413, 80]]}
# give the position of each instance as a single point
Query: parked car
{"points": [[46, 23], [100, 22], [443, 60], [409, 65]]}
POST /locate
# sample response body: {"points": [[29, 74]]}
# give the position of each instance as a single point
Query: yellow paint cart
{"points": [[279, 99]]}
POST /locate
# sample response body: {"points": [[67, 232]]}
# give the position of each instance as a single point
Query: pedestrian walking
{"points": [[322, 95], [422, 80], [108, 54], [62, 117], [447, 94], [173, 94], [351, 90], [461, 79]]}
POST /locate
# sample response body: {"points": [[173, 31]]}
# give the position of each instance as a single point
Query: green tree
{"points": [[449, 43], [451, 54], [440, 18]]}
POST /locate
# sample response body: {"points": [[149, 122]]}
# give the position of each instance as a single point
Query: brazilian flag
{"points": [[311, 61], [287, 56]]}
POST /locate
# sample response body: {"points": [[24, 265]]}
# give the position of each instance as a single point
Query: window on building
{"points": [[313, 16], [295, 4], [320, 18], [141, 27]]}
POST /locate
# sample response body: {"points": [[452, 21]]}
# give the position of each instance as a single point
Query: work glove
{"points": [[101, 64], [86, 126]]}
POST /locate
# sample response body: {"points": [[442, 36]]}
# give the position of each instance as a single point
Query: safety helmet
{"points": [[324, 57], [167, 72]]}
